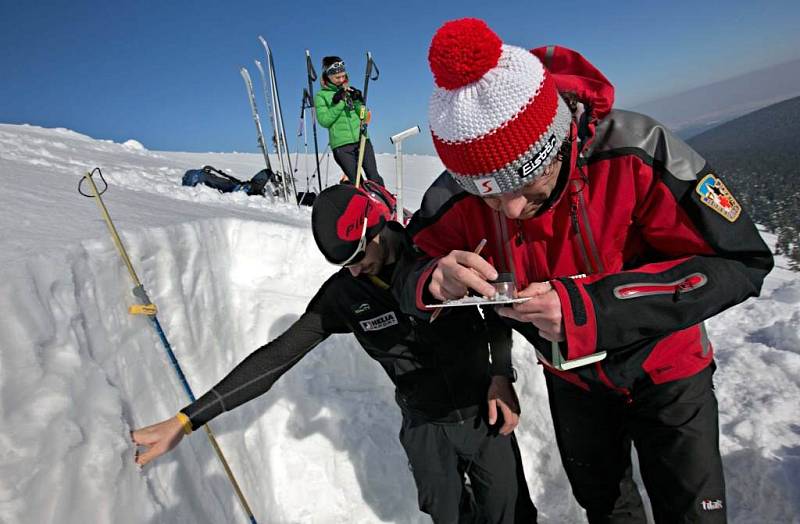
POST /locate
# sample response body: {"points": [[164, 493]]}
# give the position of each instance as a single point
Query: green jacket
{"points": [[342, 123]]}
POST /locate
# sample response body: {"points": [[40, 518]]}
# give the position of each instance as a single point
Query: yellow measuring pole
{"points": [[149, 309], [362, 142]]}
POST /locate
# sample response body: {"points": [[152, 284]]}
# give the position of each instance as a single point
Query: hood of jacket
{"points": [[575, 74]]}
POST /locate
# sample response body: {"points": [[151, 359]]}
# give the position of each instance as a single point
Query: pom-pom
{"points": [[462, 51]]}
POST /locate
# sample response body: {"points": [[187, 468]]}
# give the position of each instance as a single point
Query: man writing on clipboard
{"points": [[614, 230]]}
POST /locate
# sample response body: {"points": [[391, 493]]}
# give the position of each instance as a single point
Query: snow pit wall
{"points": [[78, 373]]}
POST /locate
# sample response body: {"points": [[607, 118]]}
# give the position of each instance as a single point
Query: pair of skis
{"points": [[272, 97]]}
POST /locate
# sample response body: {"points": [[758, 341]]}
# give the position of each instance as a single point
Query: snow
{"points": [[228, 273], [133, 145]]}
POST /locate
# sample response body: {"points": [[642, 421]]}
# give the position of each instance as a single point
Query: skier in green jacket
{"points": [[338, 106]]}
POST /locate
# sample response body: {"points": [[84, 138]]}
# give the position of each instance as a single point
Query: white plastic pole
{"points": [[397, 140]]}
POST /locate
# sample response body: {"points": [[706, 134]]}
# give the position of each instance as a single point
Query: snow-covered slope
{"points": [[228, 273]]}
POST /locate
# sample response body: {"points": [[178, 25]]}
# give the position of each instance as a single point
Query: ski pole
{"points": [[312, 77], [146, 307], [362, 139], [302, 131]]}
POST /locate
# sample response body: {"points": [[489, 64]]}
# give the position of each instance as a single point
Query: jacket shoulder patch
{"points": [[715, 195]]}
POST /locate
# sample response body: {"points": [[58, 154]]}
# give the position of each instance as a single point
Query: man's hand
{"points": [[157, 439], [460, 271], [543, 310], [502, 395]]}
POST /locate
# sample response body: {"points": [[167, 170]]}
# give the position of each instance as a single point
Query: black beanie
{"points": [[337, 220], [327, 62]]}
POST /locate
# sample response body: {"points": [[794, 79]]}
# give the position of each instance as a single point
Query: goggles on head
{"points": [[361, 250], [336, 67]]}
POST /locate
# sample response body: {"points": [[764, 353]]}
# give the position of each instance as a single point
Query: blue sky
{"points": [[166, 73]]}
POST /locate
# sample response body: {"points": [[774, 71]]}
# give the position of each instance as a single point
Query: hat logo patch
{"points": [[488, 185], [715, 195], [351, 222]]}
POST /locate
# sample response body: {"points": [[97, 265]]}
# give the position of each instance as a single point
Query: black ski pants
{"points": [[347, 158], [675, 429], [467, 473]]}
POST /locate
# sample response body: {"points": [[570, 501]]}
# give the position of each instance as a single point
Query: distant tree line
{"points": [[758, 156]]}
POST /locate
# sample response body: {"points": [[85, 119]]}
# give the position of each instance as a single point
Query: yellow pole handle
{"points": [[361, 143]]}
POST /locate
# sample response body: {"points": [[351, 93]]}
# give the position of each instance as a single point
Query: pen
{"points": [[477, 251]]}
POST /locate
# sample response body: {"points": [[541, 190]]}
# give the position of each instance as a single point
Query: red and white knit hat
{"points": [[496, 117]]}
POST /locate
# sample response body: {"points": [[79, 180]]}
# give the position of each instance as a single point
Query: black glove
{"points": [[340, 94], [356, 95]]}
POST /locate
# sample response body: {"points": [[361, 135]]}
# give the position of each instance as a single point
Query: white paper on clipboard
{"points": [[478, 301]]}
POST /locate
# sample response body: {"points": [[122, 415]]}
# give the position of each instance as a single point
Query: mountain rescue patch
{"points": [[715, 195], [381, 322]]}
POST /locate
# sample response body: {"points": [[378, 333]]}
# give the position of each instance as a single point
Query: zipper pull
{"points": [[520, 236], [686, 285], [573, 213]]}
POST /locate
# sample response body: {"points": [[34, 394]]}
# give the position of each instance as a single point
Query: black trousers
{"points": [[443, 456], [675, 429], [347, 158]]}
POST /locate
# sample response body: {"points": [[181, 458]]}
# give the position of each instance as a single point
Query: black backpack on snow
{"points": [[225, 183]]}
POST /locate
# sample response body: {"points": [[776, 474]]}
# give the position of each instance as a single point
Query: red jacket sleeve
{"points": [[433, 238], [704, 256]]}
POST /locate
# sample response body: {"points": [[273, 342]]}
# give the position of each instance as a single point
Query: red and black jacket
{"points": [[642, 242]]}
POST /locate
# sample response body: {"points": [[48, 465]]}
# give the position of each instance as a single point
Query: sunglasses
{"points": [[361, 249]]}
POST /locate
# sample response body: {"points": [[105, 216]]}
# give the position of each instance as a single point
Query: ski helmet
{"points": [[344, 220]]}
